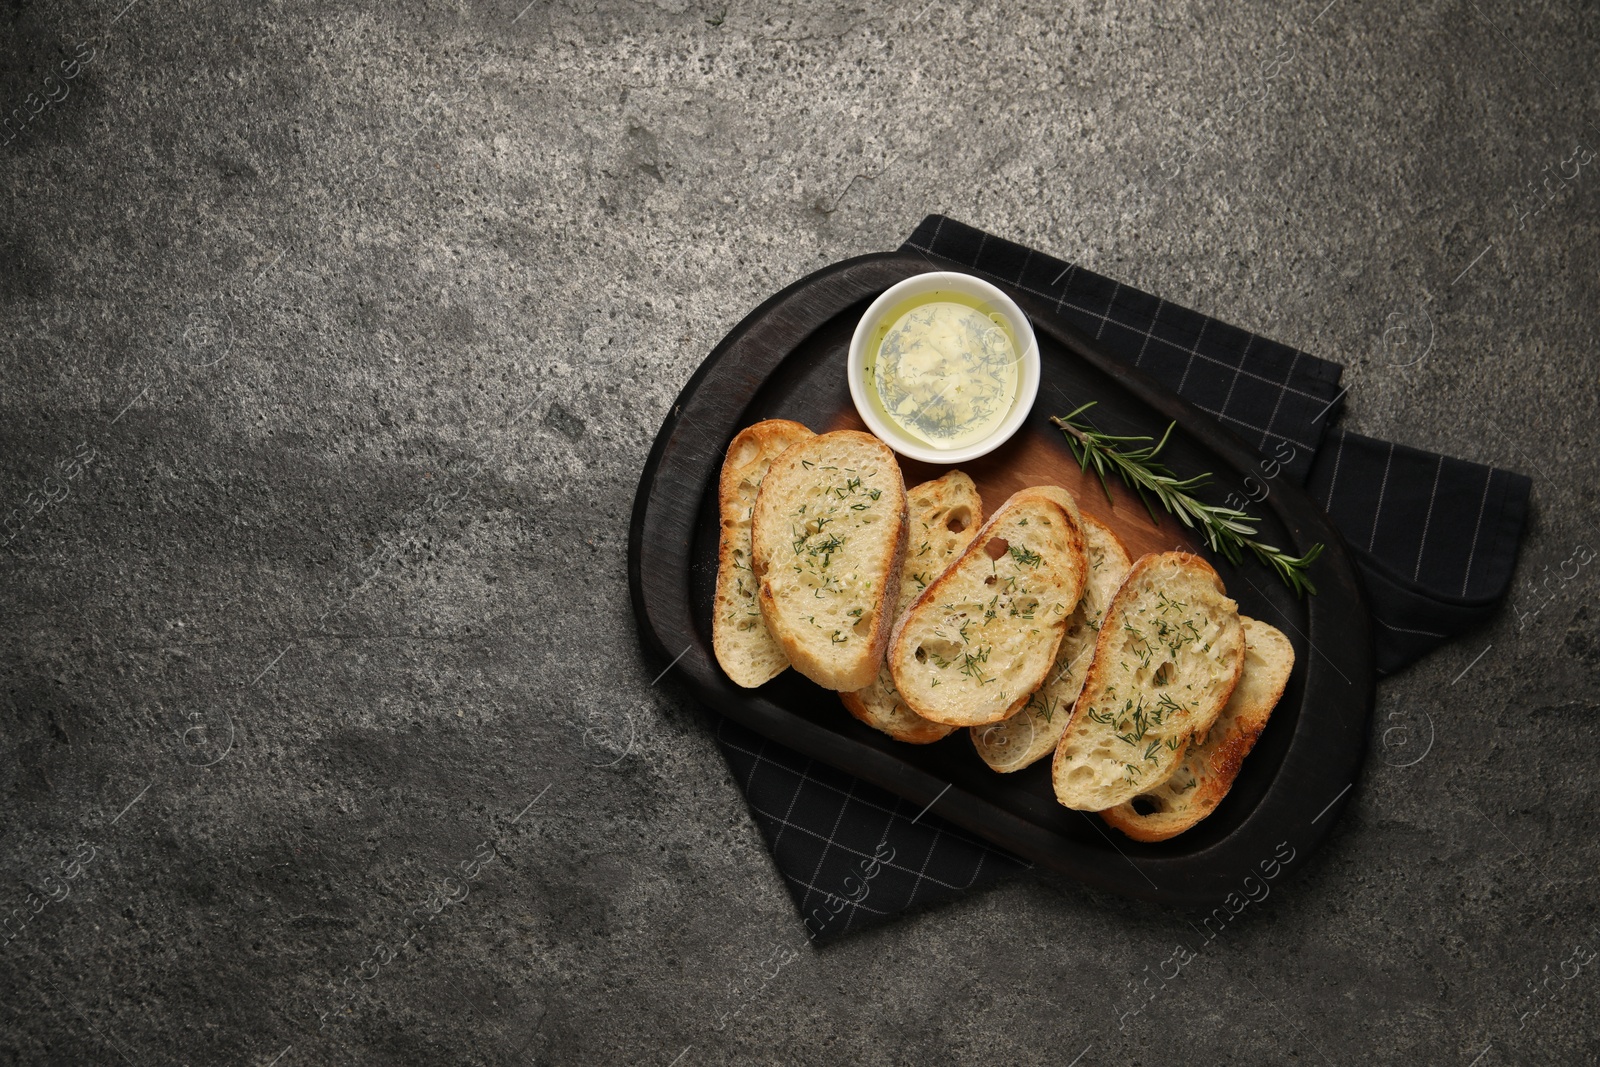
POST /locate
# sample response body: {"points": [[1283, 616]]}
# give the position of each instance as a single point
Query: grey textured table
{"points": [[335, 337]]}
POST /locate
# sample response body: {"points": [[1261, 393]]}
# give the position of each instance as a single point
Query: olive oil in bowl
{"points": [[943, 367]]}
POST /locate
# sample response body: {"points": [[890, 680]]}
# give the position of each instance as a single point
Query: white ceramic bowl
{"points": [[1027, 366]]}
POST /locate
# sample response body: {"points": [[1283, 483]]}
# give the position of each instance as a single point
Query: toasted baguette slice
{"points": [[747, 652], [1210, 765], [1166, 661], [945, 516], [828, 536], [1032, 733], [983, 635]]}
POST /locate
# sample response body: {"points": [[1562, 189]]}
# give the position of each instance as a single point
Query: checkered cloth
{"points": [[851, 853], [1435, 541]]}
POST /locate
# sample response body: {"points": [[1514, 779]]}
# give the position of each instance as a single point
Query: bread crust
{"points": [[797, 587], [1212, 763], [1086, 770], [1058, 590], [745, 649]]}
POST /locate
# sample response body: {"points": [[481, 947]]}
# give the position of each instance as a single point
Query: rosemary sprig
{"points": [[1227, 530]]}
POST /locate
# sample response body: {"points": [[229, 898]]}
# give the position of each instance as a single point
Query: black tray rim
{"points": [[1323, 757]]}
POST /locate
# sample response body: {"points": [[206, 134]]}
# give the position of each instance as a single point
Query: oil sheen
{"points": [[943, 368]]}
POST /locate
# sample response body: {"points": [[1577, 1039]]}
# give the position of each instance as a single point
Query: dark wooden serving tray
{"points": [[787, 360]]}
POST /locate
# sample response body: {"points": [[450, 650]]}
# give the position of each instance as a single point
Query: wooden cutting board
{"points": [[787, 360]]}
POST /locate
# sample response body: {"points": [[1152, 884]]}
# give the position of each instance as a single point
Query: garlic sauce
{"points": [[943, 368]]}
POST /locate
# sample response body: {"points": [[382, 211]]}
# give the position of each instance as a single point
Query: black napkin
{"points": [[1435, 541], [851, 853]]}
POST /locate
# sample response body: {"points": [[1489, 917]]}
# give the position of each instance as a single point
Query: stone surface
{"points": [[336, 336]]}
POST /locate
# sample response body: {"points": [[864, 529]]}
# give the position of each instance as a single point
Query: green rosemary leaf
{"points": [[1227, 531]]}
